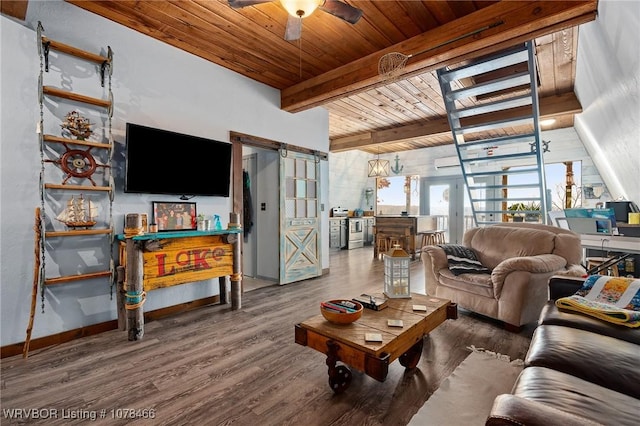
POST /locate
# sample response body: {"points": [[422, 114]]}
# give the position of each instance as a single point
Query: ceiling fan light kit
{"points": [[300, 8]]}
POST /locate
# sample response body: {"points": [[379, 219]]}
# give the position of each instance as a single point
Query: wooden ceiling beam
{"points": [[550, 107], [521, 21], [14, 8]]}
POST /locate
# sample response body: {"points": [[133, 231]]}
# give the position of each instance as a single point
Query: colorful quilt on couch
{"points": [[612, 299]]}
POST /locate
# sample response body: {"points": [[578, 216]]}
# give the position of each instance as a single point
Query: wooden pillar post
{"points": [[407, 194], [222, 283], [568, 201], [120, 298], [236, 277], [134, 297], [505, 195]]}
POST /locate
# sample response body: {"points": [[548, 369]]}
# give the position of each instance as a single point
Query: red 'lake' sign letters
{"points": [[184, 260]]}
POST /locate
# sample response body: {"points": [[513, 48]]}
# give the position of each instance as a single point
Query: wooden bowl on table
{"points": [[339, 311]]}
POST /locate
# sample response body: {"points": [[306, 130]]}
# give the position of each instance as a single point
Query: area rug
{"points": [[466, 396]]}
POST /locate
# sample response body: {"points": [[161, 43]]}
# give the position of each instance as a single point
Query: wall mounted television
{"points": [[164, 162]]}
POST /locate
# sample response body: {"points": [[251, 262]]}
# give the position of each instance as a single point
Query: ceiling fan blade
{"points": [[237, 4], [342, 10], [294, 28]]}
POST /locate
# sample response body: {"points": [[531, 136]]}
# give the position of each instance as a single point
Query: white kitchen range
{"points": [[349, 231]]}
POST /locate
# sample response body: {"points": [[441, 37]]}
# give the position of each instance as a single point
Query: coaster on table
{"points": [[421, 308], [373, 337], [395, 323]]}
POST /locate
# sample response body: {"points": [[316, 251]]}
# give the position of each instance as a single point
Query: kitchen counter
{"points": [[403, 227]]}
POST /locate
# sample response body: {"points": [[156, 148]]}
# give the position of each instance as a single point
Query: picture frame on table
{"points": [[170, 216]]}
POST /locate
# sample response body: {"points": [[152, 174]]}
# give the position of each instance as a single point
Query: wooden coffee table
{"points": [[346, 343]]}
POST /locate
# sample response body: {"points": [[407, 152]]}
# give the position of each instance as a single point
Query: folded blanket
{"points": [[612, 299], [463, 260]]}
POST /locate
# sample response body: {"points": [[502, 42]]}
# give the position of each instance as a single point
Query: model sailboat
{"points": [[79, 213]]}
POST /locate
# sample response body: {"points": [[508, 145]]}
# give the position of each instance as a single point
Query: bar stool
{"points": [[382, 243], [426, 240], [402, 238], [385, 242], [593, 262], [393, 240], [431, 238]]}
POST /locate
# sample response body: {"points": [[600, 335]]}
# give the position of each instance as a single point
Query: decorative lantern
{"points": [[396, 273]]}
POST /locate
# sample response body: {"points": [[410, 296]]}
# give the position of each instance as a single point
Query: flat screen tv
{"points": [[164, 162]]}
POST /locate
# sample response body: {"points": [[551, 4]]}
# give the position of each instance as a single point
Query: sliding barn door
{"points": [[299, 217]]}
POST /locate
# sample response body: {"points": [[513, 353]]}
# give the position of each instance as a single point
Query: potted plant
{"points": [[201, 224], [531, 216], [517, 210]]}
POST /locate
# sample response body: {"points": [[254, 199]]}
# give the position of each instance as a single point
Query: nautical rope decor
{"points": [[135, 300]]}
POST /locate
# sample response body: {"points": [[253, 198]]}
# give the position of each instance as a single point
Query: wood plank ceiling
{"points": [[335, 64]]}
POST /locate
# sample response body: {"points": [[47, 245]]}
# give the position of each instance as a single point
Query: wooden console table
{"points": [[157, 260]]}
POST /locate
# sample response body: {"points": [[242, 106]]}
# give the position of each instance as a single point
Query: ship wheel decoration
{"points": [[78, 163]]}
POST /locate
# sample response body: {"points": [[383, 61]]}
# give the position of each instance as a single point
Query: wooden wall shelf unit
{"points": [[77, 187], [78, 232], [70, 278], [56, 139], [46, 44], [59, 93], [75, 166], [73, 51]]}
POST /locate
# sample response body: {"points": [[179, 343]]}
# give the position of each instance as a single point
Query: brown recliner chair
{"points": [[521, 256]]}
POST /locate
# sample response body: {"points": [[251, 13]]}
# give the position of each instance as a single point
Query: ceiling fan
{"points": [[299, 9]]}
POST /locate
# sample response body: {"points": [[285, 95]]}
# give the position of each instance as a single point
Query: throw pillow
{"points": [[612, 299], [463, 260]]}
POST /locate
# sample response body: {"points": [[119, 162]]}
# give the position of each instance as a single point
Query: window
{"points": [[398, 194], [556, 176]]}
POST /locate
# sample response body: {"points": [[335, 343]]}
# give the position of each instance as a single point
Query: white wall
{"points": [[349, 171], [154, 84], [607, 84], [349, 179]]}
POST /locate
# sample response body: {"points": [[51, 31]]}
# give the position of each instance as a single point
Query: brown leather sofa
{"points": [[579, 370], [521, 256]]}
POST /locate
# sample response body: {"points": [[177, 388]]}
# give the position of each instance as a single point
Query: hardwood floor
{"points": [[250, 283], [215, 366]]}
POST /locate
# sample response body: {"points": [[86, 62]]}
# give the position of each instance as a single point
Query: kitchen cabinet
{"points": [[337, 232], [355, 231], [369, 223]]}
